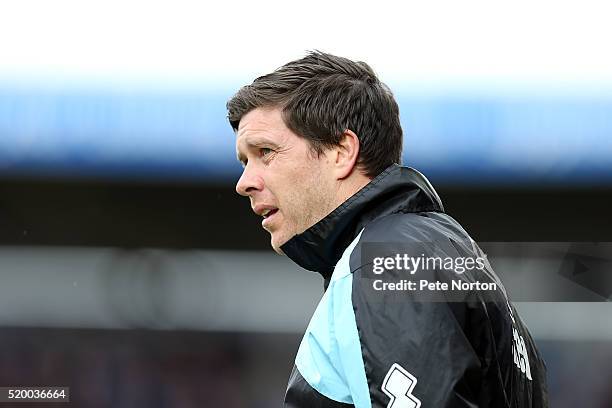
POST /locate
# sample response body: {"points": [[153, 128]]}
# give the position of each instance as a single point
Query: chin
{"points": [[277, 243], [277, 249]]}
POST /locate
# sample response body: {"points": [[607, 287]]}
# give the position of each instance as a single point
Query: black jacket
{"points": [[367, 347]]}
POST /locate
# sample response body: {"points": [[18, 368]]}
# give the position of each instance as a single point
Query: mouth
{"points": [[269, 212], [268, 215]]}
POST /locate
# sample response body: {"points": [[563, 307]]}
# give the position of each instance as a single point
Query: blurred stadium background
{"points": [[132, 272]]}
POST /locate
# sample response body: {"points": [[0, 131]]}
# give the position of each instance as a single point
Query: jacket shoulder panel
{"points": [[329, 357]]}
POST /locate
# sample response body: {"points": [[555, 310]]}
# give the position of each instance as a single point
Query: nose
{"points": [[249, 182]]}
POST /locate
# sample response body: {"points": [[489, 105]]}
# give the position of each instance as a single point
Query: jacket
{"points": [[366, 347]]}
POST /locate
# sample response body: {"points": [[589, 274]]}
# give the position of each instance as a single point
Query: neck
{"points": [[349, 186]]}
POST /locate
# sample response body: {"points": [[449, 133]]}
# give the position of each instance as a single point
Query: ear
{"points": [[346, 153]]}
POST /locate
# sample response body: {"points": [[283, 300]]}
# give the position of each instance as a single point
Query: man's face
{"points": [[288, 185]]}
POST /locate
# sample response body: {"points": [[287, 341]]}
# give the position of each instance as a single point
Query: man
{"points": [[320, 141]]}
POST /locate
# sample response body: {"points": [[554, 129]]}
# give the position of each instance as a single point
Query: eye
{"points": [[265, 151]]}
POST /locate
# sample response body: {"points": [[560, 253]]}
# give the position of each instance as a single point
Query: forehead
{"points": [[262, 119]]}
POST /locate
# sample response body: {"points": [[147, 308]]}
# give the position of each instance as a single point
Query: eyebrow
{"points": [[241, 157]]}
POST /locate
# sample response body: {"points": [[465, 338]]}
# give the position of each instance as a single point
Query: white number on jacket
{"points": [[398, 385]]}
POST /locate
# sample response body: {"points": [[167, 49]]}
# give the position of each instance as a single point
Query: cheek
{"points": [[312, 197], [293, 199], [298, 189]]}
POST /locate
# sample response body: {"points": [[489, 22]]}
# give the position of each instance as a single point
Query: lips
{"points": [[269, 212], [269, 217]]}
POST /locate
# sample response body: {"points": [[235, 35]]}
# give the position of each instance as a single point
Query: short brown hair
{"points": [[321, 96]]}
